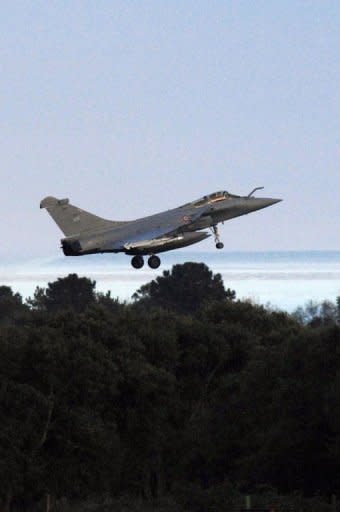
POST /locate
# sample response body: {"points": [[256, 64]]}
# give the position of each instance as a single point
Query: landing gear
{"points": [[154, 261], [137, 261], [219, 244]]}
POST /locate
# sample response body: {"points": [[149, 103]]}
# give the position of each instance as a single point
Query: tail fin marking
{"points": [[73, 220]]}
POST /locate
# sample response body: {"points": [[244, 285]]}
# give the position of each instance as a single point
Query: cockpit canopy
{"points": [[213, 198]]}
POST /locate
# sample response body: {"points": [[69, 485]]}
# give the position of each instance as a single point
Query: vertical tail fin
{"points": [[72, 220]]}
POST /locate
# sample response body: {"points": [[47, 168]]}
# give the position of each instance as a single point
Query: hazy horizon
{"points": [[285, 279]]}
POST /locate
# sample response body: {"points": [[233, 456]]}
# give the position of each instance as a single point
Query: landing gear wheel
{"points": [[154, 261], [219, 244], [137, 261]]}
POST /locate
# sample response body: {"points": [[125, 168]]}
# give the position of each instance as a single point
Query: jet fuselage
{"points": [[171, 229]]}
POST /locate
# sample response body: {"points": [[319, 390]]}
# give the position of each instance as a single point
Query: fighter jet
{"points": [[86, 233]]}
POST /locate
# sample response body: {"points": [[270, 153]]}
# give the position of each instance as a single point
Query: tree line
{"points": [[185, 396]]}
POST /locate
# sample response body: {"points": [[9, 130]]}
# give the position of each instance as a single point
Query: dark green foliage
{"points": [[319, 313], [137, 404], [184, 289], [71, 292], [54, 426], [12, 309]]}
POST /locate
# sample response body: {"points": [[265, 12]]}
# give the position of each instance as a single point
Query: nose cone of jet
{"points": [[257, 203]]}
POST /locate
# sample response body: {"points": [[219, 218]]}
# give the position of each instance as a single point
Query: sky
{"points": [[129, 108]]}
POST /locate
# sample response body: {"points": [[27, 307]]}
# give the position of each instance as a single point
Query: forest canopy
{"points": [[185, 394]]}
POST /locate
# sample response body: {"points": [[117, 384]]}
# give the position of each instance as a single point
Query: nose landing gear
{"points": [[219, 244]]}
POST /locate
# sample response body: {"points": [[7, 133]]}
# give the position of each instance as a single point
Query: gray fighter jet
{"points": [[86, 233]]}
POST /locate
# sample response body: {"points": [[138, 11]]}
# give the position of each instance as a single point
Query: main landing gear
{"points": [[138, 261], [154, 261], [219, 244]]}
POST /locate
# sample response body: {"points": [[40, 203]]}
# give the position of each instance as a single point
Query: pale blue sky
{"points": [[129, 107]]}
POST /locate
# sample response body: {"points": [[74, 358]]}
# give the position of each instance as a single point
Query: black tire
{"points": [[154, 261], [137, 261], [219, 245]]}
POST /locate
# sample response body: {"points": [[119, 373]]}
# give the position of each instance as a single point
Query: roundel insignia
{"points": [[186, 219]]}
